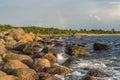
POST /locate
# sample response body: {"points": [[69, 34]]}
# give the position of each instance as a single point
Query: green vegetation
{"points": [[56, 31]]}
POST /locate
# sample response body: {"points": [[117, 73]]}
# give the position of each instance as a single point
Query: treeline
{"points": [[42, 30]]}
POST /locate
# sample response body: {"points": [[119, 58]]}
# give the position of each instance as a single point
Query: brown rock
{"points": [[68, 62], [14, 56], [2, 48], [24, 74], [14, 64], [88, 77], [97, 73], [9, 77], [16, 34], [26, 38], [58, 70], [50, 49], [40, 64], [51, 58], [2, 74], [46, 76], [80, 51]]}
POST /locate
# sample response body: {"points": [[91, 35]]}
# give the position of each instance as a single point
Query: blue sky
{"points": [[64, 14]]}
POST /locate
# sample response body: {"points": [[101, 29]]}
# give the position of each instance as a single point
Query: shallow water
{"points": [[108, 61]]}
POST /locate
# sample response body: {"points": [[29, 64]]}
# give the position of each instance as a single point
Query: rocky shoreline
{"points": [[26, 56]]}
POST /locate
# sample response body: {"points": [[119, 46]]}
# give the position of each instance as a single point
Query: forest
{"points": [[43, 30]]}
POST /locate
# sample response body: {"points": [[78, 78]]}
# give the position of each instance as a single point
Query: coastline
{"points": [[86, 34], [78, 34]]}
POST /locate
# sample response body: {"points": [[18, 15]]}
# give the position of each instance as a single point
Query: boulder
{"points": [[32, 47], [23, 58], [47, 76], [40, 64], [76, 50], [50, 49], [19, 35], [88, 77], [2, 74], [14, 64], [68, 62], [19, 46], [2, 48], [9, 77], [99, 46], [52, 59], [97, 73], [26, 38], [16, 34], [80, 51], [14, 56], [60, 70], [24, 74]]}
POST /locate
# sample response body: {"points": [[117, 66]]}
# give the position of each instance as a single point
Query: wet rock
{"points": [[50, 49], [58, 70], [88, 77], [76, 50], [9, 77], [99, 46], [97, 73], [24, 74], [19, 46], [14, 64], [52, 59], [47, 76], [40, 64], [80, 51], [33, 47], [72, 79], [68, 62]]}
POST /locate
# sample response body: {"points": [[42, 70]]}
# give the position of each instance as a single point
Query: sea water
{"points": [[107, 61]]}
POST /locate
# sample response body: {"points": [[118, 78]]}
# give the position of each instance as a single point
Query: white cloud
{"points": [[95, 17]]}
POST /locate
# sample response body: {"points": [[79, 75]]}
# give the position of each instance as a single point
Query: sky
{"points": [[63, 14]]}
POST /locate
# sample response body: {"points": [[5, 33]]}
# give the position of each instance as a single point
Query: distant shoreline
{"points": [[78, 34], [85, 34]]}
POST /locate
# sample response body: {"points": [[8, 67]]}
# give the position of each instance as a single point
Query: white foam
{"points": [[88, 64], [62, 57]]}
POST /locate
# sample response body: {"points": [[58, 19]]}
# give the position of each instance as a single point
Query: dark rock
{"points": [[97, 73], [99, 46]]}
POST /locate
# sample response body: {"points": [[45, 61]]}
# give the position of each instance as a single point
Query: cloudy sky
{"points": [[74, 14]]}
